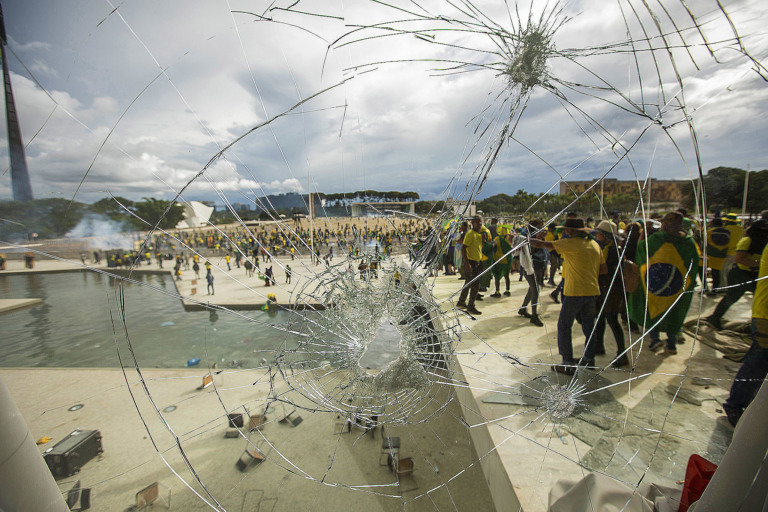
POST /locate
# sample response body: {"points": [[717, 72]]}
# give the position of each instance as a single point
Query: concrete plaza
{"points": [[492, 444]]}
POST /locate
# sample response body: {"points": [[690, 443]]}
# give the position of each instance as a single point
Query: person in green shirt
{"points": [[502, 260]]}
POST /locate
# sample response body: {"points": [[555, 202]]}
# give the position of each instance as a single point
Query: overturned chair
{"points": [[236, 421], [249, 457], [390, 448], [403, 469], [290, 416], [150, 495], [79, 495]]}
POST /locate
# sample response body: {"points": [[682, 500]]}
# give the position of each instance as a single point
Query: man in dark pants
{"points": [[754, 369], [742, 276], [583, 262], [472, 256]]}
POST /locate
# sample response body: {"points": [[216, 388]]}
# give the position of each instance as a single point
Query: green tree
{"points": [[423, 207], [222, 217], [111, 207], [724, 189], [153, 212], [49, 218]]}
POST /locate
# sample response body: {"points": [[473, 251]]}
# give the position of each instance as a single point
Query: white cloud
{"points": [[403, 126]]}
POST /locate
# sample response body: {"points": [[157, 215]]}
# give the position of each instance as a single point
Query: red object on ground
{"points": [[697, 475]]}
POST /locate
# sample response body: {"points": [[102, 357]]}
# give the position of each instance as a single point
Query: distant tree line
{"points": [[371, 196], [55, 217], [723, 186], [724, 190]]}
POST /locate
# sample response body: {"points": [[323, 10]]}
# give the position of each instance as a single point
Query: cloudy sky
{"points": [[137, 98]]}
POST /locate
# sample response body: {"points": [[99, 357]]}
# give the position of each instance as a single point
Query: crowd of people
{"points": [[643, 274]]}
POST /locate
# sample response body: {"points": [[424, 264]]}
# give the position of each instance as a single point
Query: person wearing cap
{"points": [[668, 262], [558, 291], [742, 276], [754, 367], [611, 301], [472, 256], [583, 262]]}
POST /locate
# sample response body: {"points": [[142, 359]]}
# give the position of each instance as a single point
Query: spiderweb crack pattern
{"points": [[460, 393]]}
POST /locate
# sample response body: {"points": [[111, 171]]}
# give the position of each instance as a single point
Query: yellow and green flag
{"points": [[718, 239], [668, 270]]}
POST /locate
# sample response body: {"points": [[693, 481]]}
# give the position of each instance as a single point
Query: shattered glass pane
{"points": [[369, 386]]}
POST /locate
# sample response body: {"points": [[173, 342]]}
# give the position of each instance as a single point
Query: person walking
{"points": [[742, 276], [754, 368], [209, 280], [668, 261], [502, 258], [534, 270], [612, 300], [472, 257], [583, 262]]}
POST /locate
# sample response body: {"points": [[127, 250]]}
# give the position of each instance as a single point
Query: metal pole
{"points": [[602, 196], [26, 482], [746, 188], [650, 180], [311, 222]]}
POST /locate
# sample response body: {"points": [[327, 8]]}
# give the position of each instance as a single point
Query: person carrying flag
{"points": [[668, 262], [718, 241]]}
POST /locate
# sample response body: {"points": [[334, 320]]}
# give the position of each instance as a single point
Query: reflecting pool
{"points": [[78, 325]]}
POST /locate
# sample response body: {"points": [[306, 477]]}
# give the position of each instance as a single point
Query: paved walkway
{"points": [[309, 467], [628, 427]]}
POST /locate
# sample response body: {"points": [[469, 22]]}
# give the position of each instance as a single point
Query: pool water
{"points": [[78, 325]]}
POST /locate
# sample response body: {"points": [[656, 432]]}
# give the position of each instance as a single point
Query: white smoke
{"points": [[101, 232]]}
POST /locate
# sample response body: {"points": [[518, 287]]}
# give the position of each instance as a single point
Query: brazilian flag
{"points": [[502, 262], [667, 271], [718, 240]]}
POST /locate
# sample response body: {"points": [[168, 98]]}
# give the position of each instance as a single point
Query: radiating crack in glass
{"points": [[371, 340]]}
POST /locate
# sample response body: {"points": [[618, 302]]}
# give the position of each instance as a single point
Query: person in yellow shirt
{"points": [[754, 368], [472, 256], [583, 262], [742, 275]]}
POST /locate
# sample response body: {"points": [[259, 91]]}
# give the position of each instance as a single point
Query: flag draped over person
{"points": [[718, 240], [667, 271]]}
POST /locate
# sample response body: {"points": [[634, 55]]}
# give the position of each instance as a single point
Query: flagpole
{"points": [[311, 224], [746, 188], [602, 194]]}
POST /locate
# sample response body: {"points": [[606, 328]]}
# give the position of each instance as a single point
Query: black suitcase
{"points": [[67, 456]]}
